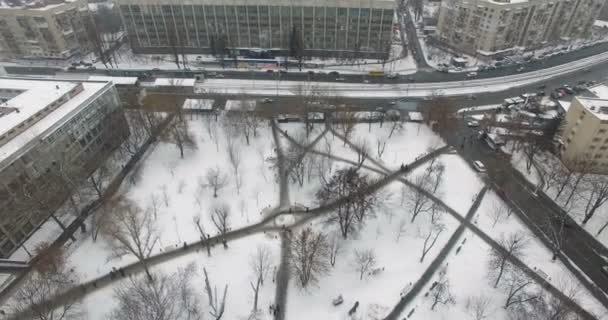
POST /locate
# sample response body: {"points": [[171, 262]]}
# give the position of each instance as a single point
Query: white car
{"points": [[473, 124], [479, 166], [267, 100]]}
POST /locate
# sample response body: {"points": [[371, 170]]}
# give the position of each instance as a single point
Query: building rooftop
{"points": [[599, 91], [115, 80], [597, 106], [36, 5], [32, 108]]}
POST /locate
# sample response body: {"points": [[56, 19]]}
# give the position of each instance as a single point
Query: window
{"points": [[602, 131], [596, 139], [592, 147], [603, 148], [597, 156]]}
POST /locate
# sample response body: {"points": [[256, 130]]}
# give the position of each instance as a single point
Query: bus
{"points": [[379, 73]]}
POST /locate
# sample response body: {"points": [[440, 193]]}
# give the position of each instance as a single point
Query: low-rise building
{"points": [[53, 135], [584, 137], [497, 27], [49, 29]]}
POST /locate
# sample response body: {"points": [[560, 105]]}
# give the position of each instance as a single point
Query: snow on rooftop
{"points": [[600, 91], [37, 95], [564, 104], [415, 116], [32, 97], [598, 106], [198, 104], [601, 23], [115, 80], [240, 105], [174, 82]]}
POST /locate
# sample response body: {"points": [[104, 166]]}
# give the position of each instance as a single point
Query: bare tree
{"points": [[334, 249], [364, 261], [396, 126], [234, 156], [416, 198], [511, 247], [217, 306], [363, 151], [400, 229], [309, 258], [101, 216], [497, 213], [216, 180], [131, 231], [260, 262], [178, 133], [517, 286], [204, 236], [221, 220], [439, 115], [546, 306], [51, 276], [346, 119], [348, 183], [380, 146], [168, 297], [556, 226], [597, 195], [478, 306], [602, 228], [440, 292], [101, 177], [430, 238]]}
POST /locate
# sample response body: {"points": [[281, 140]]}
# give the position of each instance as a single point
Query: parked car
{"points": [[471, 75], [479, 166], [473, 124], [340, 79], [267, 100], [269, 71], [334, 73]]}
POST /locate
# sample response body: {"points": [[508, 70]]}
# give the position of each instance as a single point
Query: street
{"points": [[579, 246]]}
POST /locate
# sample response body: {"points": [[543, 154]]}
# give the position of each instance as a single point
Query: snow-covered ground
{"points": [[172, 186]]}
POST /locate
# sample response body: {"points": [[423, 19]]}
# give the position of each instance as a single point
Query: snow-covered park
{"points": [[256, 219]]}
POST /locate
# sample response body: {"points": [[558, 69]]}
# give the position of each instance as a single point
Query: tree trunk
{"points": [[590, 213], [62, 226], [502, 268], [602, 228]]}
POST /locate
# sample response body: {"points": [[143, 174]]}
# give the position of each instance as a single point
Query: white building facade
{"points": [[489, 27], [54, 30], [53, 135], [323, 27]]}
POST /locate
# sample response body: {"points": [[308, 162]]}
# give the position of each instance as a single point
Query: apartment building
{"points": [[322, 27], [49, 29], [491, 27], [585, 135], [53, 134]]}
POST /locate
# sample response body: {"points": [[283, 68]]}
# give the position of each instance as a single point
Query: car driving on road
{"points": [[479, 166]]}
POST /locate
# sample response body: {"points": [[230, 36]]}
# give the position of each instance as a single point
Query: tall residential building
{"points": [[489, 27], [321, 27], [53, 135], [584, 137], [50, 29]]}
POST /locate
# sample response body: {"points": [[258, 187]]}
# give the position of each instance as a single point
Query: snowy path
{"points": [[466, 223], [437, 262]]}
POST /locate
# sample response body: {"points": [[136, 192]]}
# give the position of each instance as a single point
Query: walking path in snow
{"points": [[466, 222], [437, 262], [303, 217]]}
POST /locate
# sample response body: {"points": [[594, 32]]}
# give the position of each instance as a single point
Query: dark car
{"points": [[334, 73]]}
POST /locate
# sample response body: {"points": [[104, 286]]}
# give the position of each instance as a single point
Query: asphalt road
{"points": [[579, 246], [424, 74]]}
